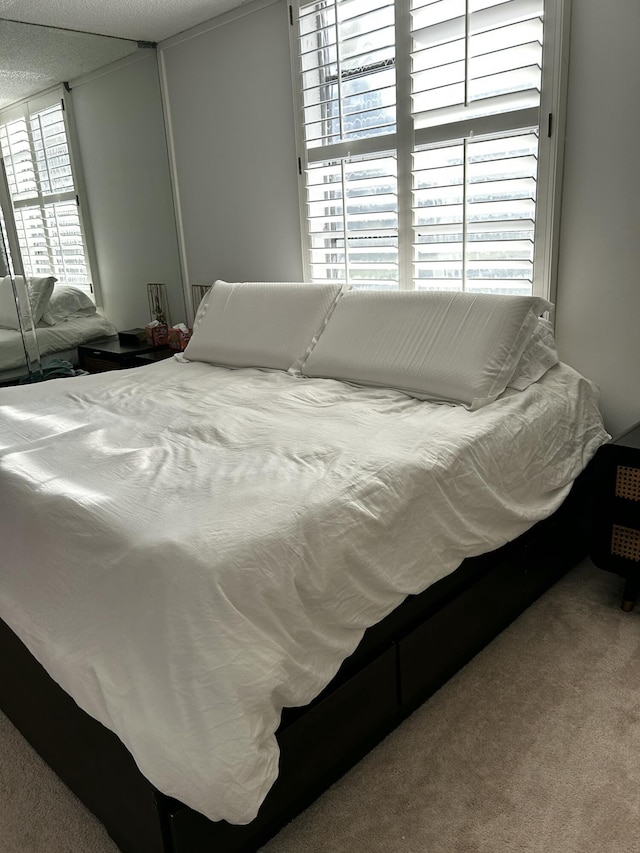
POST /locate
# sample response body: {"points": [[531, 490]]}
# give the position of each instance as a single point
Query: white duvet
{"points": [[51, 339], [187, 549]]}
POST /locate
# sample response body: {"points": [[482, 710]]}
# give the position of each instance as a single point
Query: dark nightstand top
{"points": [[111, 354], [629, 438], [157, 354], [114, 345]]}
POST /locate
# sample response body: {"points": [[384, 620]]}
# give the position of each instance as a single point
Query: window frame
{"points": [[551, 130], [24, 109]]}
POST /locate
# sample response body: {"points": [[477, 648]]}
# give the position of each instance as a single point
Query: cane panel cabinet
{"points": [[615, 533]]}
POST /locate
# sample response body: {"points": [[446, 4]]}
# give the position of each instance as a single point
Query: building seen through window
{"points": [[421, 142]]}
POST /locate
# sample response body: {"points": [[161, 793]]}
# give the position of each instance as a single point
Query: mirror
{"points": [[16, 306], [34, 58], [120, 144]]}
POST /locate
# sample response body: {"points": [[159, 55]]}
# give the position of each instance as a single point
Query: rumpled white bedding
{"points": [[187, 549], [62, 336]]}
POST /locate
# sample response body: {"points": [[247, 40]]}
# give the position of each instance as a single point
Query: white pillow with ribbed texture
{"points": [[260, 324], [540, 355], [66, 302], [445, 346]]}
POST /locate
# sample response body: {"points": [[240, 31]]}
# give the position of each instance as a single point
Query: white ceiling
{"points": [[33, 59], [69, 38], [143, 20]]}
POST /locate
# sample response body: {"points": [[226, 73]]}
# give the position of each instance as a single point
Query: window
{"points": [[35, 149], [425, 161]]}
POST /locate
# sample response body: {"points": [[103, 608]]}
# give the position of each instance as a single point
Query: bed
{"points": [[65, 317], [251, 561]]}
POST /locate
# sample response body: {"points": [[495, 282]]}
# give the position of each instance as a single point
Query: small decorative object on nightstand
{"points": [[198, 292], [159, 303], [158, 329], [133, 336], [179, 337], [615, 539]]}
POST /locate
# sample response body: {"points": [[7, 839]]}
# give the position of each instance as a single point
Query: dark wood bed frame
{"points": [[399, 663]]}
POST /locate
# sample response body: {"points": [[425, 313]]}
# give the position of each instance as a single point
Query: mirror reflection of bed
{"points": [[120, 160], [65, 318]]}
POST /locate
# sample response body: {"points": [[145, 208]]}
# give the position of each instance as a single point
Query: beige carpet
{"points": [[533, 748]]}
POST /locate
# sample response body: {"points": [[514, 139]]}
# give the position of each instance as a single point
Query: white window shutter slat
{"points": [[461, 126], [41, 185]]}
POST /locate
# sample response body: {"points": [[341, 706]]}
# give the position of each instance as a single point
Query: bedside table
{"points": [[110, 354], [615, 538], [157, 354]]}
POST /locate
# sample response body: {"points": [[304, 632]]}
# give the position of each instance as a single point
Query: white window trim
{"points": [[553, 111], [551, 114], [83, 203], [43, 100]]}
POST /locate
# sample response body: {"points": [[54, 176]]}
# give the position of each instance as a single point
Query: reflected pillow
{"points": [[444, 346], [260, 324], [65, 302], [40, 290], [8, 312], [539, 355]]}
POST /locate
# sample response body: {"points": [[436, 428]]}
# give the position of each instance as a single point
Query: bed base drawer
{"points": [[354, 718], [462, 627], [88, 758], [526, 568]]}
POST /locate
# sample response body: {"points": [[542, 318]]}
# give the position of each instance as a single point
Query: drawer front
{"points": [[627, 485], [434, 651], [97, 361], [625, 543], [88, 758], [615, 540], [98, 364]]}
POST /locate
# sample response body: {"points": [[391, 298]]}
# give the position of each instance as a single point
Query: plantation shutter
{"points": [[348, 90], [347, 52], [35, 149], [476, 80], [420, 141], [483, 62]]}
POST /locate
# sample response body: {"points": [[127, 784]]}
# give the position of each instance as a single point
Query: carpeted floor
{"points": [[534, 747]]}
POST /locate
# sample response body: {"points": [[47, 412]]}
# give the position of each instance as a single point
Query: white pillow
{"points": [[539, 355], [40, 290], [260, 324], [8, 313], [65, 302], [445, 346]]}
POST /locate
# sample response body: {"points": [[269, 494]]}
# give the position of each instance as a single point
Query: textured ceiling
{"points": [[69, 39], [143, 20], [33, 59]]}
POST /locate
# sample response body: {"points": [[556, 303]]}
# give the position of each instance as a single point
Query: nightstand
{"points": [[615, 538], [157, 354], [110, 354]]}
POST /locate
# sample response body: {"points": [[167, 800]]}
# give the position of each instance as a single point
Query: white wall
{"points": [[228, 89], [598, 300], [232, 120], [120, 127]]}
